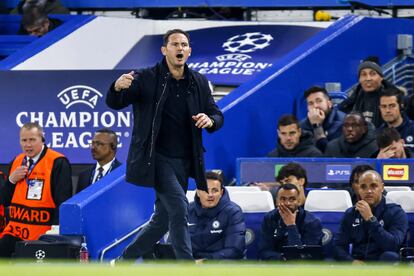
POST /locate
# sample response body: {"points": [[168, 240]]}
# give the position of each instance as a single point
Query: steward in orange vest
{"points": [[39, 181]]}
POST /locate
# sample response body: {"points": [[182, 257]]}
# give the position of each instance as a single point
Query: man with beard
{"points": [[357, 140], [391, 107], [375, 229], [324, 120], [293, 142], [289, 224], [103, 149]]}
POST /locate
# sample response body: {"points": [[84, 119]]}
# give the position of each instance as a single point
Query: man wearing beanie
{"points": [[365, 97]]}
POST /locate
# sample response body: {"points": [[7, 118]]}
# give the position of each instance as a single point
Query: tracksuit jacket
{"points": [[218, 232], [370, 239]]}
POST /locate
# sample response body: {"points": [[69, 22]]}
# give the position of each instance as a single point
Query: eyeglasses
{"points": [[98, 144]]}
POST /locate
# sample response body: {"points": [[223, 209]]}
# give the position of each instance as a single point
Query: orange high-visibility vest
{"points": [[32, 206]]}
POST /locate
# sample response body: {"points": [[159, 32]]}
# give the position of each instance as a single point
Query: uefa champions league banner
{"points": [[228, 55], [70, 105]]}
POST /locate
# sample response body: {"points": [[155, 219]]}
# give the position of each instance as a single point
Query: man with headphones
{"points": [[392, 112], [39, 181], [103, 150]]}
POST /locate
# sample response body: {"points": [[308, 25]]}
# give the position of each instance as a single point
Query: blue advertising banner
{"points": [[70, 105], [228, 55]]}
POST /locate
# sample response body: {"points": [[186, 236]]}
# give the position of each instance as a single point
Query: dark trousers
{"points": [[171, 211], [7, 246]]}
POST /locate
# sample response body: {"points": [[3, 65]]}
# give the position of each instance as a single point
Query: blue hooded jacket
{"points": [[219, 232], [275, 234], [370, 239]]}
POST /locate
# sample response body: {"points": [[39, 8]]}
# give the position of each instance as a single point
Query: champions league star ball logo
{"points": [[247, 43]]}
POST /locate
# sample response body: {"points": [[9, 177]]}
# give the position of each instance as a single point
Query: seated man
{"points": [[365, 98], [357, 140], [216, 223], [375, 229], [391, 145], [289, 224], [324, 120], [354, 181], [36, 22], [293, 142], [392, 112], [103, 149], [40, 180], [295, 174]]}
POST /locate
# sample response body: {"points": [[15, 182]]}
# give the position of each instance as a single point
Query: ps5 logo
{"points": [[79, 94]]}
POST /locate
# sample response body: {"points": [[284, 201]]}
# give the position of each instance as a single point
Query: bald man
{"points": [[376, 230]]}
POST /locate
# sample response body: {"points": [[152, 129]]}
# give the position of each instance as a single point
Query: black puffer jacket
{"points": [[305, 148], [364, 148]]}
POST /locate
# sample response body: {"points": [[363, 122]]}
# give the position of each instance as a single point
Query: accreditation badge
{"points": [[35, 189]]}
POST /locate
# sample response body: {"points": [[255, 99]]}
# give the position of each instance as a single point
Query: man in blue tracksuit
{"points": [[289, 224], [375, 229], [216, 224]]}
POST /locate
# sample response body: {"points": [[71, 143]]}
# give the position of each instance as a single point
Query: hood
{"points": [[211, 212]]}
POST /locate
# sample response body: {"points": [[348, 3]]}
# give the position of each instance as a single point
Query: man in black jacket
{"points": [[357, 140], [293, 142], [103, 149], [171, 105], [365, 97]]}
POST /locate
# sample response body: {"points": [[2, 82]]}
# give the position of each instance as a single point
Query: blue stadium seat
{"points": [[255, 204], [406, 200], [329, 206]]}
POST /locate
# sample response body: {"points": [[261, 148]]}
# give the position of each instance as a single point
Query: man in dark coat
{"points": [[216, 223], [171, 105], [103, 149], [375, 229], [391, 145], [323, 120], [293, 142], [358, 139], [365, 97], [289, 224]]}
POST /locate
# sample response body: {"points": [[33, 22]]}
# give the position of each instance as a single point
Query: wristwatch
{"points": [[372, 219]]}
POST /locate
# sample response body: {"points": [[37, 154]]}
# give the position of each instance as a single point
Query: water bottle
{"points": [[84, 253]]}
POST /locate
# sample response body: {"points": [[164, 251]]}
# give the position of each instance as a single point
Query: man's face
{"points": [[390, 109], [353, 128], [31, 141], [319, 101], [177, 50], [289, 198], [289, 136], [101, 147], [212, 198], [398, 148], [371, 188], [39, 29], [370, 80]]}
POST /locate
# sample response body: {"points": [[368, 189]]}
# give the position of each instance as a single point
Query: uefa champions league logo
{"points": [[239, 45], [247, 43]]}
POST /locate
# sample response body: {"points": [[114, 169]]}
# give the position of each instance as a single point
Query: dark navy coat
{"points": [[370, 239], [275, 234], [219, 232]]}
